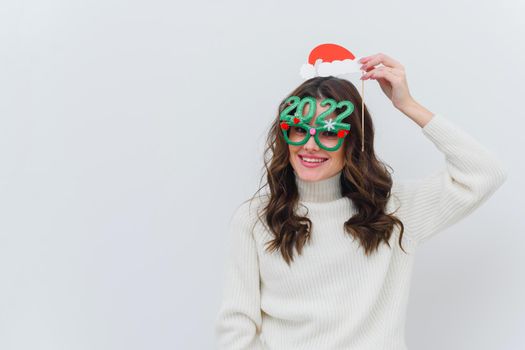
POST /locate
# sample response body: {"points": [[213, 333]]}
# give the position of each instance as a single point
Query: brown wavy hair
{"points": [[364, 179]]}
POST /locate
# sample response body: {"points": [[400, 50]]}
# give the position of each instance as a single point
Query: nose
{"points": [[311, 145]]}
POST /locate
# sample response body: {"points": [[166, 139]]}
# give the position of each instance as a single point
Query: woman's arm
{"points": [[419, 114], [470, 176], [471, 173], [238, 322]]}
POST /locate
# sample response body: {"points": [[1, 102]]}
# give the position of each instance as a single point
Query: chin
{"points": [[311, 174]]}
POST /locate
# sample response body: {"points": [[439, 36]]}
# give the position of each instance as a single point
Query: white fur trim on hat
{"points": [[334, 68]]}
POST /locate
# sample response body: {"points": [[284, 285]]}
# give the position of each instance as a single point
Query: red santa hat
{"points": [[330, 59]]}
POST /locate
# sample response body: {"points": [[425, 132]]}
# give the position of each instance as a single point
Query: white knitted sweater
{"points": [[333, 296]]}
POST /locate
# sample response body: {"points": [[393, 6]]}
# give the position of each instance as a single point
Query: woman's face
{"points": [[333, 161]]}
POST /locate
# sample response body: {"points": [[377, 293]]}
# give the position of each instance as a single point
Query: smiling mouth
{"points": [[313, 160]]}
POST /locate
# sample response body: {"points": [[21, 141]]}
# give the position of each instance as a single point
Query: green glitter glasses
{"points": [[328, 134]]}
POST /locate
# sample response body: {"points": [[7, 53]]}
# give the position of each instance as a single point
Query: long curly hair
{"points": [[364, 179]]}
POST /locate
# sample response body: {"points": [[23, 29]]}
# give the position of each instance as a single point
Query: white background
{"points": [[131, 130]]}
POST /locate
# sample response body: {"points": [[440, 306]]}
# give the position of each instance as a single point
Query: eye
{"points": [[298, 130], [329, 134]]}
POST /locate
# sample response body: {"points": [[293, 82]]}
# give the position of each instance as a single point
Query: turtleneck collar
{"points": [[325, 190]]}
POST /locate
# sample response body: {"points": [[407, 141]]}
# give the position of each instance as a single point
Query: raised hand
{"points": [[390, 76]]}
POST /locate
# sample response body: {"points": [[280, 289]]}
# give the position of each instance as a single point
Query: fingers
{"points": [[384, 72], [378, 75], [370, 61]]}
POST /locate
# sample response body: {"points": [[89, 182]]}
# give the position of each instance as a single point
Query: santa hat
{"points": [[329, 59]]}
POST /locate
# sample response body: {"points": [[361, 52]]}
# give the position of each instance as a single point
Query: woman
{"points": [[324, 259]]}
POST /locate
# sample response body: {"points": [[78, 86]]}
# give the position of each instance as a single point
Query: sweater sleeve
{"points": [[470, 176], [238, 322]]}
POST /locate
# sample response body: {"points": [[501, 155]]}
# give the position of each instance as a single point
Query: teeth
{"points": [[312, 160]]}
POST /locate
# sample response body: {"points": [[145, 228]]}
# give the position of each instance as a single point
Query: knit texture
{"points": [[333, 296]]}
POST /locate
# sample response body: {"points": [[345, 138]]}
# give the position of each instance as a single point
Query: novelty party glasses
{"points": [[328, 134]]}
